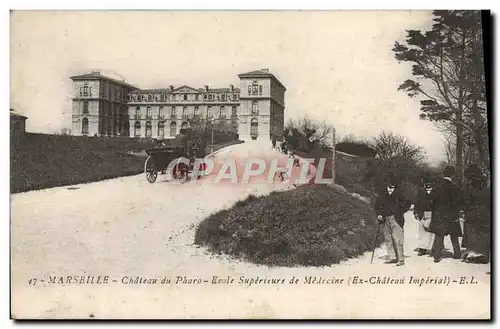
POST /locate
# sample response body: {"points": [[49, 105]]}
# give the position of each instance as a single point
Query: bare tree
{"points": [[389, 146]]}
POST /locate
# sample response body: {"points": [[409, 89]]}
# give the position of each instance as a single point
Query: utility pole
{"points": [[333, 154]]}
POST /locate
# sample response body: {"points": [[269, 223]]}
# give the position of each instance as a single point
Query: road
{"points": [[127, 228]]}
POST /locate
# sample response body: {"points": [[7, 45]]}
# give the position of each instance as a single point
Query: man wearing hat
{"points": [[390, 207], [445, 214], [423, 213]]}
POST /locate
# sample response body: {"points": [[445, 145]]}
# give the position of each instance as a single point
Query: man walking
{"points": [[423, 213], [390, 207], [445, 215]]}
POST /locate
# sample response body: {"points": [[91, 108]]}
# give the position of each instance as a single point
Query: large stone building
{"points": [[103, 106]]}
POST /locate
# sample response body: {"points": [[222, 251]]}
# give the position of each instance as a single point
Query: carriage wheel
{"points": [[179, 171], [150, 170]]}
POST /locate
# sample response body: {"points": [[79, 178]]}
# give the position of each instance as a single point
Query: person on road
{"points": [[445, 215], [423, 213], [477, 226], [390, 207]]}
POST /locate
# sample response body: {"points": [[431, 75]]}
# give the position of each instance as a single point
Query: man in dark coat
{"points": [[477, 226], [445, 214], [390, 207]]}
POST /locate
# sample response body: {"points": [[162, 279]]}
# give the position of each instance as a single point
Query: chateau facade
{"points": [[103, 106]]}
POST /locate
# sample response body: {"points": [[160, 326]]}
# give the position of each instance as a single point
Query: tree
{"points": [[303, 132], [388, 146], [447, 63]]}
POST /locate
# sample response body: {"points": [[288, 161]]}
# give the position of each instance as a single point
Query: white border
{"points": [[185, 5]]}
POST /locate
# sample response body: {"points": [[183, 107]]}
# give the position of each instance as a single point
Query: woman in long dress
{"points": [[422, 212]]}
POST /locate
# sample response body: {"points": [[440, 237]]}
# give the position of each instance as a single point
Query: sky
{"points": [[338, 66]]}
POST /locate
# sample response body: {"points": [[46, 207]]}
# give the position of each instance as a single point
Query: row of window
{"points": [[86, 90], [161, 128], [173, 112], [185, 97]]}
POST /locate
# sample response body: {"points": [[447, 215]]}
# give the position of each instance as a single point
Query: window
{"points": [[86, 90], [160, 112], [223, 97], [162, 97], [260, 90], [185, 97], [148, 112], [173, 129], [184, 112], [196, 111], [85, 107], [209, 112], [137, 112], [205, 96], [85, 126], [255, 109], [249, 89], [222, 112], [210, 97], [161, 129], [235, 97], [172, 113], [255, 85], [234, 111], [150, 98], [149, 130], [139, 98], [197, 97], [137, 129]]}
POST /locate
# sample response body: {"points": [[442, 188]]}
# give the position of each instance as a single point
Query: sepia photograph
{"points": [[250, 164]]}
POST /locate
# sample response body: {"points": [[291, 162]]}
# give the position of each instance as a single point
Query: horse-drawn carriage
{"points": [[171, 159]]}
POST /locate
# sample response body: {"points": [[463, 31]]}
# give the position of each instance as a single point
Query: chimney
{"points": [[171, 87], [265, 70], [206, 88], [232, 88]]}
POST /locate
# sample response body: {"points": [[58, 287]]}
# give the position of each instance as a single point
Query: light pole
{"points": [[212, 145]]}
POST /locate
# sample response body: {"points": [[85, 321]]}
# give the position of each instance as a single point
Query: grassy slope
{"points": [[310, 225]]}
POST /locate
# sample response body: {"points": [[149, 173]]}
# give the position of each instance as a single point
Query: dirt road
{"points": [[129, 230]]}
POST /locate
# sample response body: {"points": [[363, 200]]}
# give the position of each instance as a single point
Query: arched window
{"points": [[185, 112], [160, 113], [85, 107], [86, 89], [222, 112], [254, 128], [173, 129], [85, 126], [255, 86], [138, 112], [137, 129], [234, 111], [149, 129], [161, 129], [196, 111], [148, 112], [172, 112], [255, 109]]}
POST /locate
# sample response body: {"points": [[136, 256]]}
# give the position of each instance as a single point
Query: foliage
{"points": [[448, 66], [307, 226], [304, 134]]}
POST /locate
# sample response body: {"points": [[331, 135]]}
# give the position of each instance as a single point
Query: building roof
{"points": [[17, 115], [99, 76], [263, 73], [169, 91]]}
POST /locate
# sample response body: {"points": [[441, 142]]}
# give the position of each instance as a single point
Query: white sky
{"points": [[337, 65]]}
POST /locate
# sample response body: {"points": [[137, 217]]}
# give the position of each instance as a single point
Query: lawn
{"points": [[312, 225]]}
